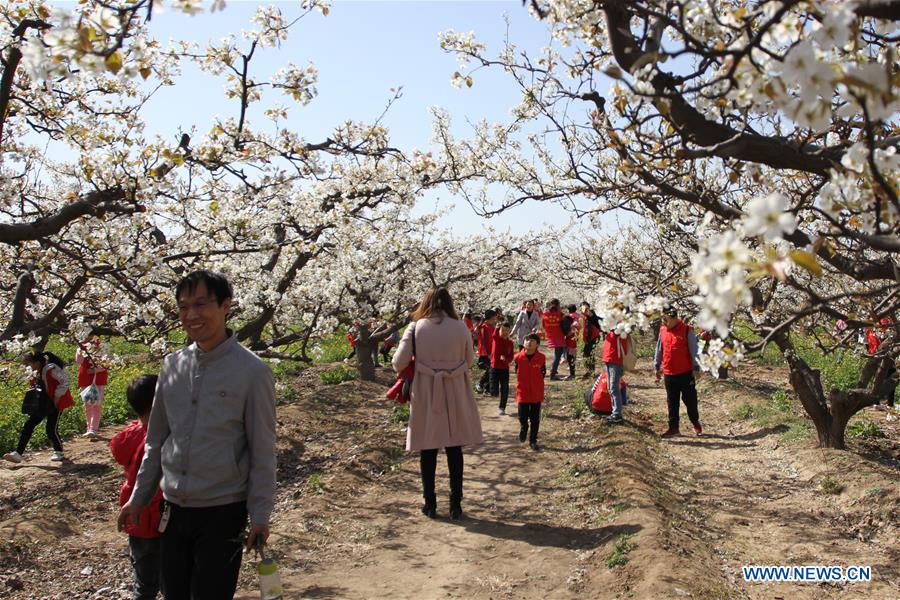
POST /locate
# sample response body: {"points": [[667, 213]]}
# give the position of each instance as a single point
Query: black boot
{"points": [[455, 465], [455, 508], [429, 509]]}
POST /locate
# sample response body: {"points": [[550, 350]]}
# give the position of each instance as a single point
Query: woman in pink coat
{"points": [[442, 412]]}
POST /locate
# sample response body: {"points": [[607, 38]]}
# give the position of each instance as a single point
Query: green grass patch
{"points": [[338, 374], [865, 429], [619, 555], [400, 413], [332, 348], [314, 484], [115, 406], [779, 412]]}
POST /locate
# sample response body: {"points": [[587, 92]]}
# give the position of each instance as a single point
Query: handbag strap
{"points": [[414, 338]]}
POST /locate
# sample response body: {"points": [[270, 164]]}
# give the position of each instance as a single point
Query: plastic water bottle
{"points": [[269, 579]]}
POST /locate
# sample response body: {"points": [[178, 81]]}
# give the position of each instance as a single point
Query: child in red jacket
{"points": [[128, 449], [501, 356], [530, 388], [485, 343]]}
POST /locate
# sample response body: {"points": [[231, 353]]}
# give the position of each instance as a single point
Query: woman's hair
{"points": [[436, 300], [43, 358]]}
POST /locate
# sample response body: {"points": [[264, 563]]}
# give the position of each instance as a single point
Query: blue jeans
{"points": [[614, 385], [145, 561], [558, 354]]}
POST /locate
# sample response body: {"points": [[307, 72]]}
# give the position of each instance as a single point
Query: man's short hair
{"points": [[489, 314], [216, 283], [670, 311], [533, 336], [140, 393]]}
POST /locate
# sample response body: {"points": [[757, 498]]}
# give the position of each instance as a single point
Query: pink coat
{"points": [[442, 412]]}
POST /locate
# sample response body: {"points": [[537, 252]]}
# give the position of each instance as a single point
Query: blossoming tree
{"points": [[762, 134]]}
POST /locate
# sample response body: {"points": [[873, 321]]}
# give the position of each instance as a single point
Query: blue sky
{"points": [[362, 49]]}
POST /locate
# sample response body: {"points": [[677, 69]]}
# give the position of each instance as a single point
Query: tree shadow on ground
{"points": [[536, 534]]}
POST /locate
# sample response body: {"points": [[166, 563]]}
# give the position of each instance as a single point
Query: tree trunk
{"points": [[365, 360]]}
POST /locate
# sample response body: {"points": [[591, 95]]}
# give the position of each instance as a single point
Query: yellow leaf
{"points": [[114, 62], [145, 72], [808, 261], [469, 81]]}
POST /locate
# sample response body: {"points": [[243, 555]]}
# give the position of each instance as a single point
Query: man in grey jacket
{"points": [[211, 444]]}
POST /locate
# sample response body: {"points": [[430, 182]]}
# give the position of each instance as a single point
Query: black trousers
{"points": [[500, 385], [484, 362], [590, 360], [52, 429], [530, 413], [201, 552], [428, 466], [681, 388]]}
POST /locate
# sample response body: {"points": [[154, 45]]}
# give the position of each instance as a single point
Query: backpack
{"points": [[598, 398], [566, 325], [629, 357]]}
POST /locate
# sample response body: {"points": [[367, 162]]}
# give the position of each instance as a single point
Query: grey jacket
{"points": [[211, 436], [525, 325]]}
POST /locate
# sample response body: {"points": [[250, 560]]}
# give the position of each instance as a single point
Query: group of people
{"points": [[51, 380], [443, 411], [200, 459]]}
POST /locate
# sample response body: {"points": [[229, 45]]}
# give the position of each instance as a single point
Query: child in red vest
{"points": [[128, 449], [501, 355], [556, 339], [530, 388], [485, 334], [677, 358], [50, 376]]}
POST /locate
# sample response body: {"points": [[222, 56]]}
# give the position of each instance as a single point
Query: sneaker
{"points": [[501, 413], [523, 433], [614, 420], [554, 377], [534, 446], [57, 456], [13, 456], [670, 433], [698, 428], [569, 378]]}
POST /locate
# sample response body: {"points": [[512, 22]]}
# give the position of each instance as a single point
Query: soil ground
{"points": [[685, 513]]}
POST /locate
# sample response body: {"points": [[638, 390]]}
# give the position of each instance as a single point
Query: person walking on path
{"points": [[613, 359], [485, 345], [211, 442], [556, 339], [676, 359], [590, 335], [127, 448], [90, 372], [442, 411], [527, 321], [501, 356], [530, 389], [49, 375]]}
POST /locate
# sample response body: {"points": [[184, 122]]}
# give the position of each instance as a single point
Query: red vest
{"points": [[676, 358], [128, 449], [551, 322], [485, 339], [530, 379], [612, 349]]}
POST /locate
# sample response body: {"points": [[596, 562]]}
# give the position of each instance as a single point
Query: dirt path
{"points": [[757, 497], [537, 525]]}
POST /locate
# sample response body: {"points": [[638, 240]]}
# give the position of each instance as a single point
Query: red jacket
{"points": [[613, 347], [551, 322], [502, 351], [530, 379], [676, 354], [128, 449], [485, 339]]}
